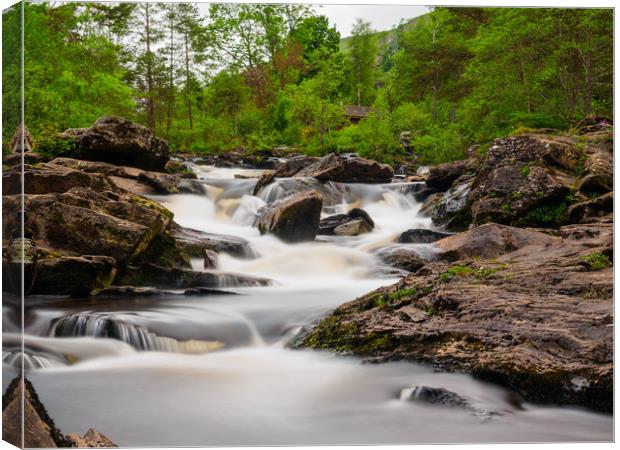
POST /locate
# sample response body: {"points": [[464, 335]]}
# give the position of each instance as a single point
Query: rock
{"points": [[597, 176], [48, 177], [450, 210], [132, 179], [591, 210], [173, 278], [293, 219], [401, 258], [490, 241], [293, 165], [195, 243], [83, 222], [21, 260], [330, 223], [118, 141], [92, 439], [71, 275], [180, 168], [422, 195], [594, 123], [210, 259], [39, 429], [348, 170], [130, 291], [434, 396], [265, 179], [332, 193], [525, 313], [207, 291], [22, 140], [441, 177], [527, 179], [421, 236], [354, 227], [13, 159]]}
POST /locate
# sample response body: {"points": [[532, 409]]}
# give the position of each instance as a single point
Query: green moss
{"points": [[53, 145], [461, 270], [152, 205], [516, 195], [525, 170], [597, 261], [548, 215], [334, 334]]}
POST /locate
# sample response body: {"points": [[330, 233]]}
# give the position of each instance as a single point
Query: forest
{"points": [[258, 77]]}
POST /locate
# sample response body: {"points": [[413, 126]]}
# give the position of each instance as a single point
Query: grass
{"points": [[525, 170], [461, 270], [597, 261]]}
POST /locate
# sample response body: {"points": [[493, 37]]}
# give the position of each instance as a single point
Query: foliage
{"points": [[597, 261], [260, 75]]}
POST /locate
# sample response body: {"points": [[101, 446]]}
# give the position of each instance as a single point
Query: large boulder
{"points": [[535, 313], [591, 210], [293, 219], [348, 170], [421, 236], [119, 141], [195, 243], [353, 227], [401, 258], [451, 210]]}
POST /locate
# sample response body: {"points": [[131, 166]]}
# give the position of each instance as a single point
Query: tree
{"points": [[317, 39], [363, 55], [228, 94]]}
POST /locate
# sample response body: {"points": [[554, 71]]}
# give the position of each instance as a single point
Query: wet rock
{"points": [[594, 123], [265, 179], [434, 396], [422, 195], [293, 165], [180, 168], [401, 258], [173, 278], [519, 308], [293, 219], [92, 439], [421, 236], [195, 243], [450, 210], [130, 291], [207, 291], [328, 225], [591, 210], [441, 176], [597, 176], [210, 259], [48, 177], [71, 275], [348, 170], [332, 193], [170, 184], [353, 227], [118, 141]]}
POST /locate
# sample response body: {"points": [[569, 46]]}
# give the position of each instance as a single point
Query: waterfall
{"points": [[31, 360], [139, 337]]}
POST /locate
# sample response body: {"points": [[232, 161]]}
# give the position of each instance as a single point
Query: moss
{"points": [[516, 195], [162, 251], [525, 170], [152, 205], [461, 270], [334, 334], [547, 215], [54, 145], [597, 261]]}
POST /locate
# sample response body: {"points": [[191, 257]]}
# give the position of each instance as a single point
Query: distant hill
{"points": [[387, 42]]}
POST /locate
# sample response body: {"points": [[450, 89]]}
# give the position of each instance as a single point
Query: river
{"points": [[216, 370]]}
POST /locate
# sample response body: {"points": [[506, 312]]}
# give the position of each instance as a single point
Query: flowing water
{"points": [[216, 370]]}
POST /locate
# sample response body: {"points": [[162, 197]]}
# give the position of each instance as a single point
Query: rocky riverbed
{"points": [[499, 266]]}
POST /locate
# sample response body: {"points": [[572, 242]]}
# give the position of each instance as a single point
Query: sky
{"points": [[381, 17]]}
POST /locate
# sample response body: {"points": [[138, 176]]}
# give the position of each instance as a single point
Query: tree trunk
{"points": [[171, 75], [188, 96], [525, 86], [150, 101]]}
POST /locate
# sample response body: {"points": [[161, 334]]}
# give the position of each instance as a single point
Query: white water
{"points": [[255, 391]]}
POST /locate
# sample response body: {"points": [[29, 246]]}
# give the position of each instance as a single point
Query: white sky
{"points": [[382, 16]]}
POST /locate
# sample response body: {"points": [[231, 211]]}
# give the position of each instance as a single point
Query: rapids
{"points": [[216, 369]]}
